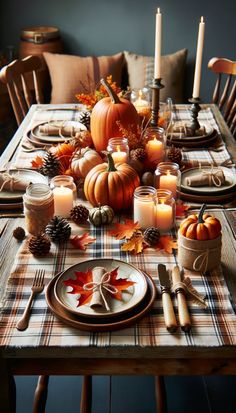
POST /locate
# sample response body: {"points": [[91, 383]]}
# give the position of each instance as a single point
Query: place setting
{"points": [[101, 295]]}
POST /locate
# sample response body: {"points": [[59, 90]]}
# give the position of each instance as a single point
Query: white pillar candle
{"points": [[157, 67], [119, 157], [169, 182], [155, 150], [144, 211], [63, 201], [164, 217], [198, 64]]}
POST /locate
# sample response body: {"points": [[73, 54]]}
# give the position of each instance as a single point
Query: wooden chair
{"points": [[23, 84], [224, 94]]}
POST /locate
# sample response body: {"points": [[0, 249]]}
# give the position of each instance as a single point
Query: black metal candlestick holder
{"points": [[156, 86], [194, 110]]}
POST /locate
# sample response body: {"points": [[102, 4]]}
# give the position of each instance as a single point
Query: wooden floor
{"points": [[134, 394]]}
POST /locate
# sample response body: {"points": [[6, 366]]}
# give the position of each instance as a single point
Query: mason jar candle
{"points": [[141, 101], [38, 207], [164, 210], [154, 140], [144, 206], [119, 149], [66, 181], [168, 176]]}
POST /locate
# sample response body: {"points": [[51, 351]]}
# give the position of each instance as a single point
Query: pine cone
{"points": [[85, 119], [51, 165], [151, 236], [138, 154], [39, 245], [19, 233], [174, 154], [79, 214], [58, 229]]}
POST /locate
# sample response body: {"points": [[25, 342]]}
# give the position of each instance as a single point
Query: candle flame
{"points": [[140, 94], [118, 148], [158, 10], [168, 172], [202, 19]]}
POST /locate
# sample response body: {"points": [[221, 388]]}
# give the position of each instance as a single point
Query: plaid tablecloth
{"points": [[181, 113], [214, 326]]}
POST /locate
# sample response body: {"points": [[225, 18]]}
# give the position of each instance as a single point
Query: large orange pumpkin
{"points": [[113, 185], [106, 113], [201, 226]]}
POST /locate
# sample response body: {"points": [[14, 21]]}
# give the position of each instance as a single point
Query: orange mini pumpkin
{"points": [[113, 185], [201, 226], [106, 113]]}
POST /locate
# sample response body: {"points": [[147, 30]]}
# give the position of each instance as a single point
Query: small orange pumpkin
{"points": [[106, 113], [110, 184], [83, 161], [201, 226]]}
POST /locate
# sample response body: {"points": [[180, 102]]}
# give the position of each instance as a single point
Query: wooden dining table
{"points": [[51, 347]]}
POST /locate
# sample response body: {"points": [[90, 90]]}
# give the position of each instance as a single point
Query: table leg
{"points": [[160, 390], [40, 395], [86, 395], [8, 389]]}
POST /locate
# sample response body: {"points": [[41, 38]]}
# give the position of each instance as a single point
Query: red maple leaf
{"points": [[181, 209], [166, 243], [37, 162], [125, 230], [82, 241], [82, 278]]}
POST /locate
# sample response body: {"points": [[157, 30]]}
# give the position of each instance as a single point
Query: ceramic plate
{"points": [[130, 297], [55, 139], [98, 324], [177, 136], [229, 175], [31, 176]]}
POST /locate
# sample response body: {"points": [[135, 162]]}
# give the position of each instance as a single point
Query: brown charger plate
{"points": [[105, 324], [207, 198], [194, 143]]}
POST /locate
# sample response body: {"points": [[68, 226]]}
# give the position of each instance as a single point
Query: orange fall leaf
{"points": [[82, 241], [181, 209], [37, 162], [135, 244], [125, 230], [166, 243]]}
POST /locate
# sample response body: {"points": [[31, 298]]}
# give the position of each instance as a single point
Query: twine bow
{"points": [[8, 178], [104, 284], [213, 177], [71, 128], [189, 290]]}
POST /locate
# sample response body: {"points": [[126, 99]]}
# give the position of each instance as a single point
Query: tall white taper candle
{"points": [[157, 68], [198, 64]]}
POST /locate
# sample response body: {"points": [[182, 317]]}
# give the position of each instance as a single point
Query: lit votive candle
{"points": [[165, 210], [63, 201], [119, 156], [155, 150], [144, 206], [169, 181]]}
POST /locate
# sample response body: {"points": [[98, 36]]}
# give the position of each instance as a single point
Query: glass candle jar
{"points": [[168, 176], [165, 210], [119, 149], [142, 102], [38, 207], [66, 181], [144, 206], [154, 140]]}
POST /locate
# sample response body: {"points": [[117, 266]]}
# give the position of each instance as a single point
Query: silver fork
{"points": [[37, 287]]}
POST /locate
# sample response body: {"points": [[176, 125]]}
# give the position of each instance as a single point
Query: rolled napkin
{"points": [[13, 182], [100, 286], [207, 178], [56, 129]]}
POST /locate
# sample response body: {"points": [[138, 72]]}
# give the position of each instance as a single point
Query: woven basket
{"points": [[199, 255]]}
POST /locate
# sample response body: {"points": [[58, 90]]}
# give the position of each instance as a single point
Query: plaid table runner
{"points": [[214, 326], [181, 113]]}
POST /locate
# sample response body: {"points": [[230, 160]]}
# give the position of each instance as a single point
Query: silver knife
{"points": [[169, 315]]}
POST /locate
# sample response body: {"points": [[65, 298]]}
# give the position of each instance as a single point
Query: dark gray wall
{"points": [[109, 26]]}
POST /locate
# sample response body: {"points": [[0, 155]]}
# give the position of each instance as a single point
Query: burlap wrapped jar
{"points": [[199, 255]]}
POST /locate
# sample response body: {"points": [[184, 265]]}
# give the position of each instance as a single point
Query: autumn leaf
{"points": [[125, 230], [77, 286], [83, 278], [181, 209], [135, 244], [37, 162], [82, 241], [166, 243]]}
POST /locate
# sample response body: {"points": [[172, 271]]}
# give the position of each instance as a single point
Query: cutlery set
{"points": [[167, 284]]}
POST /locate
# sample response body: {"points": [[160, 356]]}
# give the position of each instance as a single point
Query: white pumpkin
{"points": [[84, 160]]}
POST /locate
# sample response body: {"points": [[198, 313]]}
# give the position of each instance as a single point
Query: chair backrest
{"points": [[224, 94], [23, 84]]}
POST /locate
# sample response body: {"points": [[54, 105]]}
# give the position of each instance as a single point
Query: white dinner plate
{"points": [[56, 138], [33, 177], [230, 177], [130, 297]]}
